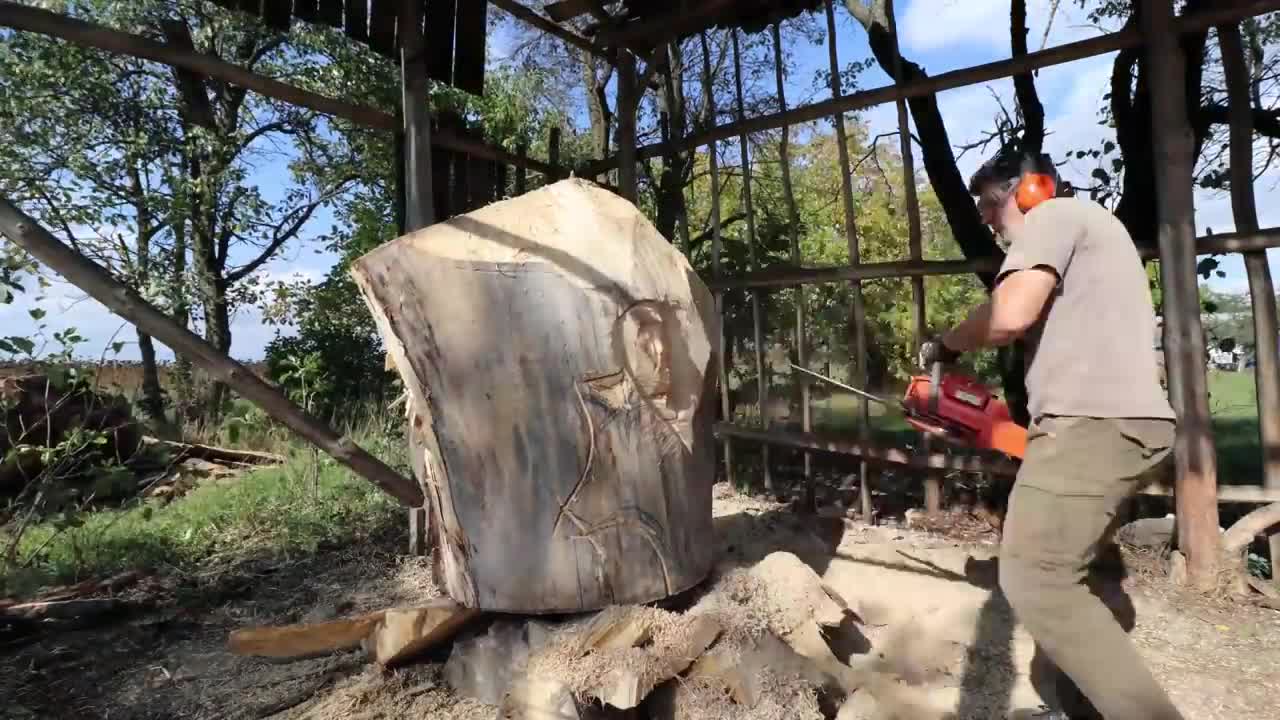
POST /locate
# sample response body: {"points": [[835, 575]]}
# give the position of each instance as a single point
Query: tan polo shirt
{"points": [[1089, 354]]}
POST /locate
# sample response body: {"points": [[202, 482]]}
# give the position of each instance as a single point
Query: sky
{"points": [[939, 35]]}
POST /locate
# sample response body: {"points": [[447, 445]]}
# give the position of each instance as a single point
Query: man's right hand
{"points": [[934, 350]]}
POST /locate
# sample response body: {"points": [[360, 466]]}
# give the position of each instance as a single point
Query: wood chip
{"points": [[624, 688]]}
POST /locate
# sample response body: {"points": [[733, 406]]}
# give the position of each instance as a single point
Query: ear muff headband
{"points": [[1033, 189]]}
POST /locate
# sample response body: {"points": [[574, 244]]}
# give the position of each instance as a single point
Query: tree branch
{"points": [[1024, 85], [286, 230]]}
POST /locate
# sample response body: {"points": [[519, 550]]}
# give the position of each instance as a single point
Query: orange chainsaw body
{"points": [[968, 413]]}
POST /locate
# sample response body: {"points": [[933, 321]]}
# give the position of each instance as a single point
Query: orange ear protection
{"points": [[1033, 189]]}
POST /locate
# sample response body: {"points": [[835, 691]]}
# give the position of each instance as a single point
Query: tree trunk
{"points": [[595, 487]]}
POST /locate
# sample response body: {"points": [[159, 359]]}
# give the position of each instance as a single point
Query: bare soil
{"points": [[927, 617]]}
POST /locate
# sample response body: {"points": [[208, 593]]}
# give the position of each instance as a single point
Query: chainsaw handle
{"points": [[935, 386]]}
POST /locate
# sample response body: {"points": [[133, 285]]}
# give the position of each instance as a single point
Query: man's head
{"points": [[1011, 183]]}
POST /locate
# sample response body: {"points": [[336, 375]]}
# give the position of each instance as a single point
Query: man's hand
{"points": [[934, 350]]}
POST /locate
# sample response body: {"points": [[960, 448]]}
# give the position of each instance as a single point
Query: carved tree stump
{"points": [[558, 356]]}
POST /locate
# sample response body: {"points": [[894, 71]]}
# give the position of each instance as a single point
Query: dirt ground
{"points": [[928, 617]]}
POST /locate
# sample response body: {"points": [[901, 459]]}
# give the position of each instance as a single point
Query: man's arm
{"points": [[1015, 305]]}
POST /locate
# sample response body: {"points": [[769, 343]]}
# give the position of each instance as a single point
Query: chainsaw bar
{"points": [[923, 423]]}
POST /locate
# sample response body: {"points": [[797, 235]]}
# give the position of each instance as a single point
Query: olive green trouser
{"points": [[1076, 476]]}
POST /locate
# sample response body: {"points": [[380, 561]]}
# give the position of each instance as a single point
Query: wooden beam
{"points": [[1184, 342], [655, 31], [356, 25], [568, 9], [469, 45], [90, 35], [529, 17], [419, 202], [791, 276], [24, 231], [1261, 288], [1058, 55]]}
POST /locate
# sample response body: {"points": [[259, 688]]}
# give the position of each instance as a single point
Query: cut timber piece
{"points": [[625, 687], [557, 352], [402, 634], [299, 641]]}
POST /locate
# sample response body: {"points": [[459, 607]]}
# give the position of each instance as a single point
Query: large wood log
{"points": [[557, 352]]}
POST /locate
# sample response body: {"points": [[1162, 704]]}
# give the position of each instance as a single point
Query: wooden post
{"points": [[628, 105], [419, 202], [717, 244], [553, 155], [401, 163], [793, 215], [859, 310], [25, 232], [522, 178], [1197, 472], [757, 319], [1266, 327], [932, 480]]}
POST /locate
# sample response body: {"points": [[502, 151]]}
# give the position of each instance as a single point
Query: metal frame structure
{"points": [[445, 52]]}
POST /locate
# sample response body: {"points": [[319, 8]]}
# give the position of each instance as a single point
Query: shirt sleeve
{"points": [[1047, 239]]}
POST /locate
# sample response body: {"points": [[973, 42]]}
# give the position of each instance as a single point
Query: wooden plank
{"points": [[304, 640], [753, 260], [331, 12], [480, 182], [654, 31], [306, 10], [382, 26], [356, 19], [977, 74], [440, 31], [441, 167], [469, 43], [568, 9], [277, 14], [23, 230], [515, 9], [459, 200]]}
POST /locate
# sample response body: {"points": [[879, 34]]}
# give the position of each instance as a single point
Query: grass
{"points": [[299, 507]]}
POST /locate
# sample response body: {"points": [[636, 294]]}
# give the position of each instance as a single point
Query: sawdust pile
{"points": [[583, 670], [782, 697]]}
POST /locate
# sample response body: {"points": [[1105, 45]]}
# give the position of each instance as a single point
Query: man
{"points": [[1074, 288]]}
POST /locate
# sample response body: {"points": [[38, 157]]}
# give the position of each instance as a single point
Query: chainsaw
{"points": [[954, 407]]}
